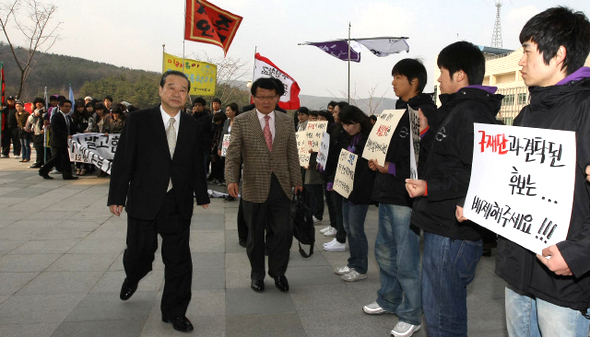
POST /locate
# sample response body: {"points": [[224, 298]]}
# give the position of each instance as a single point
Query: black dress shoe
{"points": [[243, 243], [282, 284], [127, 290], [257, 285], [45, 176], [180, 323], [70, 178], [35, 166]]}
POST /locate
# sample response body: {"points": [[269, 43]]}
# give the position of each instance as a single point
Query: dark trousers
{"points": [[274, 213], [38, 145], [242, 226], [142, 243], [60, 157], [16, 147], [336, 204], [10, 135]]}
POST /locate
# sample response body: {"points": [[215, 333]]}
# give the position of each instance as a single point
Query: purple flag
{"points": [[339, 50]]}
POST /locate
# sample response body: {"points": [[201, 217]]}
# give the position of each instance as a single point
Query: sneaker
{"points": [[403, 329], [335, 247], [54, 171], [330, 243], [330, 232], [5, 156], [315, 220], [342, 270], [325, 229], [374, 309], [353, 276]]}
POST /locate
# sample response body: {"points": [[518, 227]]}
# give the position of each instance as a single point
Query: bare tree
{"points": [[372, 103], [34, 25], [231, 76]]}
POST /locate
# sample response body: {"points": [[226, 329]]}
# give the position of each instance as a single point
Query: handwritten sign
{"points": [[203, 76], [513, 189], [225, 144], [303, 148], [94, 148], [315, 130], [322, 157], [344, 178], [380, 136], [415, 143]]}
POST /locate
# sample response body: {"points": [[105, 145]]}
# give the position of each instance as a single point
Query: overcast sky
{"points": [[131, 33]]}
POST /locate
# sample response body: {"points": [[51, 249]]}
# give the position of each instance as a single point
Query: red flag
{"points": [[208, 23], [263, 67]]}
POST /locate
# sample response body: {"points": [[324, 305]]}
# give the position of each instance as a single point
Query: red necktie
{"points": [[267, 134]]}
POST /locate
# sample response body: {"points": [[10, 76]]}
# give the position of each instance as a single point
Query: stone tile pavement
{"points": [[61, 272]]}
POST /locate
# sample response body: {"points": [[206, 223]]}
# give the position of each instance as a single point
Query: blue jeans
{"points": [[397, 250], [353, 217], [25, 144], [448, 266], [528, 316]]}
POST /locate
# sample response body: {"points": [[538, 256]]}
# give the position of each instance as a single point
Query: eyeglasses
{"points": [[265, 98]]}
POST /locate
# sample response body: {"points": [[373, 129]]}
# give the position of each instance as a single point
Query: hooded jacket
{"points": [[390, 188], [448, 166], [565, 106]]}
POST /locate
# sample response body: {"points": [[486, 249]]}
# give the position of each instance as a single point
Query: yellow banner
{"points": [[203, 76]]}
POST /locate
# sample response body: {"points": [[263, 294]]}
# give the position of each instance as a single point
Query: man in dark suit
{"points": [[265, 142], [62, 129], [158, 170]]}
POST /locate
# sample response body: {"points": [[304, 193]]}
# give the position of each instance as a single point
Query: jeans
{"points": [[448, 266], [353, 217], [26, 148], [397, 250], [335, 200], [528, 316]]}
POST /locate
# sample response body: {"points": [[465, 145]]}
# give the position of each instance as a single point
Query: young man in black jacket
{"points": [[397, 246], [549, 295], [451, 250]]}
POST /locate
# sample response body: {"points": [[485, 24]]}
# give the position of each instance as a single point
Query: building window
{"points": [[522, 99], [508, 100]]}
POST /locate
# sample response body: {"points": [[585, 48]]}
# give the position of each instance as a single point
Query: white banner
{"points": [[315, 130], [344, 178], [380, 136], [322, 157], [94, 148], [415, 143], [303, 148], [522, 183]]}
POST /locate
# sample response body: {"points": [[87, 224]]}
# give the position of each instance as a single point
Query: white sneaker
{"points": [[335, 247], [374, 309], [330, 243], [330, 232], [54, 171], [315, 220], [403, 329], [342, 270], [325, 229], [353, 276]]}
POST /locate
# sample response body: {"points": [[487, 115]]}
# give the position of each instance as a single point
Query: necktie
{"points": [[171, 136], [67, 123], [267, 134]]}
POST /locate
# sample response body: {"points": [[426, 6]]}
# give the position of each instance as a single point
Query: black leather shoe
{"points": [[70, 178], [243, 243], [35, 166], [45, 176], [127, 290], [180, 323], [257, 285], [282, 284]]}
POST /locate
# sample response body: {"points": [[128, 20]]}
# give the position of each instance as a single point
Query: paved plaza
{"points": [[61, 272]]}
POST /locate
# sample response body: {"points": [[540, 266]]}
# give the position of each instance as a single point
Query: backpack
{"points": [[302, 224]]}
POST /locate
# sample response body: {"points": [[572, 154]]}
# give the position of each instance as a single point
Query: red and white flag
{"points": [[263, 67]]}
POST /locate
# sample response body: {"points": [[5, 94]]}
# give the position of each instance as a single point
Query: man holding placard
{"points": [[397, 246], [549, 295], [451, 250]]}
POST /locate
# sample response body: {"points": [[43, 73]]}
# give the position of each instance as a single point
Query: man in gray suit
{"points": [[264, 141]]}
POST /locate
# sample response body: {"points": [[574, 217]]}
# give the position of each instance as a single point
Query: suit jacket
{"points": [[59, 130], [248, 144], [142, 166]]}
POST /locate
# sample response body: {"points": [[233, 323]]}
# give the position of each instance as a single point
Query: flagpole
{"points": [[349, 62], [163, 57], [254, 67], [183, 40]]}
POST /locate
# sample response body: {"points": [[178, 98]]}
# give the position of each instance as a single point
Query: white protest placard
{"points": [[303, 148], [225, 144], [344, 178], [380, 136], [322, 157], [415, 143], [315, 130], [94, 148], [513, 189]]}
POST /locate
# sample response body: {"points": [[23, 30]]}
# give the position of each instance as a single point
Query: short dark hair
{"points": [[464, 56], [313, 113], [234, 107], [100, 106], [332, 104], [412, 69], [38, 100], [110, 98], [200, 100], [303, 110], [64, 101], [351, 114], [268, 83], [327, 115], [560, 26], [175, 73], [373, 118], [216, 100], [341, 105]]}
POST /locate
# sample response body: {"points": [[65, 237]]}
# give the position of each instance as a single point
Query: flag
{"points": [[263, 67], [203, 76], [3, 85], [339, 49], [71, 98], [208, 23], [46, 98], [384, 46]]}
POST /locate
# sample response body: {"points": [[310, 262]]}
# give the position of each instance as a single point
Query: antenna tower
{"points": [[497, 35]]}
